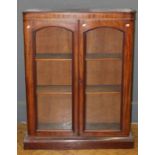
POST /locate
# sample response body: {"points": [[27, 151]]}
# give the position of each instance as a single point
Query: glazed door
{"points": [[105, 59], [51, 64]]}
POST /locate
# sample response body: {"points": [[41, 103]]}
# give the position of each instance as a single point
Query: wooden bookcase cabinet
{"points": [[78, 79]]}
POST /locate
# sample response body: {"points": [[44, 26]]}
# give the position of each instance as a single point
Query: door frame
{"points": [[127, 27], [31, 26]]}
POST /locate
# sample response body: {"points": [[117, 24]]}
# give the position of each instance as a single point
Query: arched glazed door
{"points": [[54, 80], [103, 89]]}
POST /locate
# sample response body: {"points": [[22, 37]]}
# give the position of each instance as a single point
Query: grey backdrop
{"points": [[68, 4]]}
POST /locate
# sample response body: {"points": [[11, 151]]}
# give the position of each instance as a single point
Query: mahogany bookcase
{"points": [[78, 66]]}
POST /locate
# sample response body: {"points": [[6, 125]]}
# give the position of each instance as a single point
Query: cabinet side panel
{"points": [[127, 77], [29, 77]]}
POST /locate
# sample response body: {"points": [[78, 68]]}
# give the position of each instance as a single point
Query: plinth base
{"points": [[78, 143]]}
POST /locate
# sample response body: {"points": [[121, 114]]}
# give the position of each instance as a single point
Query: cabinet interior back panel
{"points": [[53, 40], [54, 72], [103, 107], [104, 40], [104, 71], [54, 109]]}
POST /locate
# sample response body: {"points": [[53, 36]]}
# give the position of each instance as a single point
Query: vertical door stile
{"points": [[29, 76], [127, 80], [75, 80], [81, 80]]}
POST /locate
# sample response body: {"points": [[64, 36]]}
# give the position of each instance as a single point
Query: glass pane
{"points": [[104, 47], [54, 78], [53, 40], [54, 111], [103, 111], [104, 40]]}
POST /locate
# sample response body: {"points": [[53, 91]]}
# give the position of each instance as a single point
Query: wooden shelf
{"points": [[68, 88], [88, 56], [103, 55], [89, 126], [54, 89], [103, 88], [54, 56], [55, 126], [102, 126]]}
